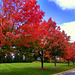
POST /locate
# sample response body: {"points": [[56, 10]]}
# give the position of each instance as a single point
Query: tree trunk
{"points": [[42, 59], [68, 62], [73, 62], [55, 61]]}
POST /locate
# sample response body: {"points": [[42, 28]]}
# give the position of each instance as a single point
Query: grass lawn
{"points": [[32, 68]]}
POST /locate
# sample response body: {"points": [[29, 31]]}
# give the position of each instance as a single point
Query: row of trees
{"points": [[21, 26]]}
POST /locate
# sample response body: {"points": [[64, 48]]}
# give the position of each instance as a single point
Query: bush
{"points": [[36, 62]]}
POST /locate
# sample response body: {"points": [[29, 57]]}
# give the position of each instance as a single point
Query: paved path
{"points": [[69, 72]]}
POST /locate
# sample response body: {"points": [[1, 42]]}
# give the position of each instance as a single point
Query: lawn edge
{"points": [[64, 72]]}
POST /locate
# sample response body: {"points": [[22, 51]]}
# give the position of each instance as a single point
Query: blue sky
{"points": [[0, 1], [62, 12], [51, 9]]}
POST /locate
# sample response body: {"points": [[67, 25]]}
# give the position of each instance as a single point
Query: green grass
{"points": [[32, 68]]}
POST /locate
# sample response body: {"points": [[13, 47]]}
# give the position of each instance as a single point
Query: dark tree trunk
{"points": [[73, 62], [42, 59], [55, 61], [68, 62]]}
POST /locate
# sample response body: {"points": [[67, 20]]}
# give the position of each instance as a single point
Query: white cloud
{"points": [[69, 28], [65, 4]]}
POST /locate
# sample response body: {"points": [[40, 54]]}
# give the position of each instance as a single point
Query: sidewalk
{"points": [[65, 72]]}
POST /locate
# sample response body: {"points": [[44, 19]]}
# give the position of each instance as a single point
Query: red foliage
{"points": [[71, 51], [20, 21], [54, 41]]}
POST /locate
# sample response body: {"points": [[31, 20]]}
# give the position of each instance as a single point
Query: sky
{"points": [[62, 12]]}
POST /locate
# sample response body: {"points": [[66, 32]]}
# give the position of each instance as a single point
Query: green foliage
{"points": [[2, 55], [46, 59]]}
